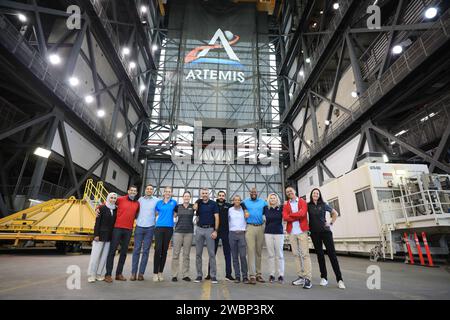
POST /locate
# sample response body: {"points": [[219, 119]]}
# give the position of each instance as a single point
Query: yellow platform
{"points": [[58, 220]]}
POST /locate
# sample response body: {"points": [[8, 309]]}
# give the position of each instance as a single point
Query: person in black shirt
{"points": [[321, 235], [223, 234], [103, 229], [183, 237], [274, 237]]}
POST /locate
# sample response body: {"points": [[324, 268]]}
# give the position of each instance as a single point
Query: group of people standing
{"points": [[242, 227]]}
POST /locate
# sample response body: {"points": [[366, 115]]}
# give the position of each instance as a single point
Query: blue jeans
{"points": [[142, 236]]}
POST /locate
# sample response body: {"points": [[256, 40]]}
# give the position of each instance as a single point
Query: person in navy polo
{"points": [[208, 225]]}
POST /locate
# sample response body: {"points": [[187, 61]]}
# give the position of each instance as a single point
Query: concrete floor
{"points": [[42, 275]]}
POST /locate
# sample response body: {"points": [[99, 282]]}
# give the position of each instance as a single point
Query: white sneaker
{"points": [[298, 282], [341, 284], [160, 277], [323, 282], [100, 278], [155, 278], [91, 279]]}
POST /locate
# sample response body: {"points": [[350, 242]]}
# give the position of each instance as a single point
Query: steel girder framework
{"points": [[37, 99], [177, 107], [319, 43]]}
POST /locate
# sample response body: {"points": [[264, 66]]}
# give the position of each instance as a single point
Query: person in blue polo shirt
{"points": [[208, 225], [163, 232], [254, 235]]}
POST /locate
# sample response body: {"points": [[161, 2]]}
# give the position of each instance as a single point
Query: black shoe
{"points": [[229, 278], [174, 279], [208, 277], [198, 279], [280, 279], [187, 279], [237, 280], [214, 280], [271, 279], [307, 284]]}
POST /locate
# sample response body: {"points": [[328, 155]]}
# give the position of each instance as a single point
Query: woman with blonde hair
{"points": [[274, 237], [104, 224]]}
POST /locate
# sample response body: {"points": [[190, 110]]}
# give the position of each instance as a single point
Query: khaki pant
{"points": [[181, 240], [254, 236], [300, 249]]}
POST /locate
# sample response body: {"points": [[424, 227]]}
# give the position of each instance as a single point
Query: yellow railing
{"points": [[97, 193]]}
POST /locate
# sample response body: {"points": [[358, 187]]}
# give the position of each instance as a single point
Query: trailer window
{"points": [[364, 200], [334, 203]]}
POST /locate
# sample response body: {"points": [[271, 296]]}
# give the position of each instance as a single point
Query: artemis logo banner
{"points": [[202, 54]]}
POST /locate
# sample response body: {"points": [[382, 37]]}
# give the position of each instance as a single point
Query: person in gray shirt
{"points": [[183, 237]]}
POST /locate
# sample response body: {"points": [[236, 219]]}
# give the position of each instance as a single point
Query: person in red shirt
{"points": [[295, 211], [127, 210]]}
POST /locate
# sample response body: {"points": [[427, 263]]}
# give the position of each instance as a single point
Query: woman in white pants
{"points": [[274, 237], [104, 224]]}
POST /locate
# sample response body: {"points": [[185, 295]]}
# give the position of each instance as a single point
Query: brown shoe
{"points": [[260, 279], [120, 278], [252, 280], [108, 279], [133, 277], [141, 277]]}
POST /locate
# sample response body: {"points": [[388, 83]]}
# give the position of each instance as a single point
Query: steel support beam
{"points": [[23, 126], [85, 176], [68, 156], [361, 86], [41, 163], [411, 148], [443, 146]]}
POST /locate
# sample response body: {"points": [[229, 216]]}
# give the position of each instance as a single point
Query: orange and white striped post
{"points": [[419, 250], [427, 249], [411, 258]]}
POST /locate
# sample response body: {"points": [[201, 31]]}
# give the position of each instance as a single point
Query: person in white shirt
{"points": [[237, 227]]}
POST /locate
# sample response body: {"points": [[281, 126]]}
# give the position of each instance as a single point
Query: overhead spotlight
{"points": [[336, 5], [22, 17], [132, 65], [54, 59], [101, 113], [132, 150], [41, 152], [142, 161], [385, 158], [392, 143], [301, 73], [321, 11], [308, 60], [430, 13], [154, 47], [119, 135], [355, 94], [143, 9], [125, 51], [89, 99], [327, 122], [141, 87], [73, 81], [397, 49]]}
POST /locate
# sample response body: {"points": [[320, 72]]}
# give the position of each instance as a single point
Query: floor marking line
{"points": [[225, 292], [206, 290], [32, 284]]}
